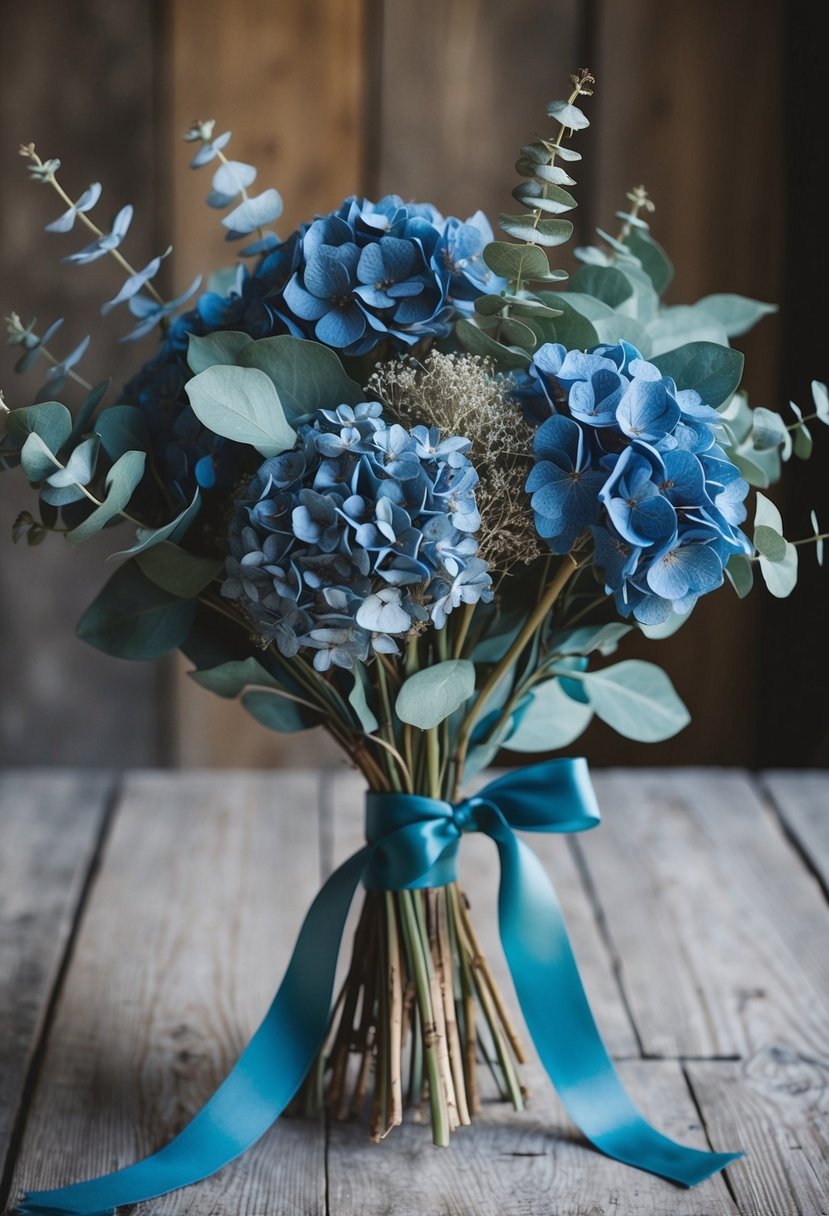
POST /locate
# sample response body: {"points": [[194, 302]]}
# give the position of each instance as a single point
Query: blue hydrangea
{"points": [[389, 272], [349, 541], [624, 456]]}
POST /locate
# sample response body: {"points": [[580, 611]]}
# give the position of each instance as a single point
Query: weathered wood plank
{"points": [[774, 1105], [801, 799], [719, 930], [41, 887], [463, 85], [653, 124], [203, 886], [290, 81], [510, 1163]]}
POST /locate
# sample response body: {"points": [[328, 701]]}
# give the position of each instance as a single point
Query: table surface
{"points": [[145, 920]]}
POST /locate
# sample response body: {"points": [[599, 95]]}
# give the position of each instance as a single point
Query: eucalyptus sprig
{"points": [[230, 183], [511, 323], [138, 291]]}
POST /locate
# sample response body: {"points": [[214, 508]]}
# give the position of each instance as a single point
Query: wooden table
{"points": [[145, 921]]}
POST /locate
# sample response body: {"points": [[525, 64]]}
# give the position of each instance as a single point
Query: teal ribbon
{"points": [[413, 842]]}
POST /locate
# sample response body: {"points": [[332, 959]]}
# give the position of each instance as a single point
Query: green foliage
{"points": [[121, 482], [241, 403], [122, 428], [358, 700], [307, 376], [177, 571], [230, 679], [713, 370], [777, 556], [430, 695], [173, 531], [132, 618], [636, 699], [277, 711], [552, 720]]}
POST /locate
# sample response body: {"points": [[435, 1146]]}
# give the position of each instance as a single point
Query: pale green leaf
{"points": [[430, 695], [241, 404], [636, 699], [121, 482], [552, 720]]}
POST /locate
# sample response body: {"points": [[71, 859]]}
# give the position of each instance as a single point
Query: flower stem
{"points": [[537, 618]]}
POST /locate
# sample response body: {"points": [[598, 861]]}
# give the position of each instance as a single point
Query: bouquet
{"points": [[391, 477]]}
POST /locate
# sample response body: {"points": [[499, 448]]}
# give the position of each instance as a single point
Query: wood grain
{"points": [[720, 932], [514, 1164], [801, 799], [50, 825], [192, 919], [290, 81], [774, 1105], [78, 80]]}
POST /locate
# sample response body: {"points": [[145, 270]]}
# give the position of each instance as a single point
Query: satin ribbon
{"points": [[413, 842]]}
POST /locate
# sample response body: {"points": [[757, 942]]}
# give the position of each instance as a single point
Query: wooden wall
{"points": [[429, 100]]}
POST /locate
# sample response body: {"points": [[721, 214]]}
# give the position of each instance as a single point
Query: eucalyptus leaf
{"points": [[666, 628], [572, 328], [37, 459], [252, 213], [780, 576], [740, 573], [769, 544], [737, 314], [589, 638], [122, 428], [516, 334], [568, 115], [473, 339], [175, 530], [509, 261], [768, 430], [432, 694], [86, 411], [278, 712], [552, 720], [224, 348], [230, 679], [713, 370], [683, 323], [49, 419], [544, 197], [131, 618], [820, 396], [654, 260], [177, 571], [540, 232], [121, 482], [80, 467], [604, 283], [767, 515], [358, 701], [307, 376], [490, 306], [636, 699], [241, 403]]}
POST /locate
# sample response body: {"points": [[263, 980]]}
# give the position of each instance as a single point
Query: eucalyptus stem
{"points": [[566, 570], [88, 223], [437, 1099]]}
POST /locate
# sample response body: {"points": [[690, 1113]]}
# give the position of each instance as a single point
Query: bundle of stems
{"points": [[420, 1011]]}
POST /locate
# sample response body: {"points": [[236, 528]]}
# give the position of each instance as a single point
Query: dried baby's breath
{"points": [[459, 395]]}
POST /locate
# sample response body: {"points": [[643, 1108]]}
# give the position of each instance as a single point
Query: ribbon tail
{"points": [[264, 1080], [563, 1029]]}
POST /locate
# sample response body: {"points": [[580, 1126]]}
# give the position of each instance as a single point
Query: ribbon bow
{"points": [[413, 842]]}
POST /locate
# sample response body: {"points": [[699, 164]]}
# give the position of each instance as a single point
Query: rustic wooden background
{"points": [[714, 107]]}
